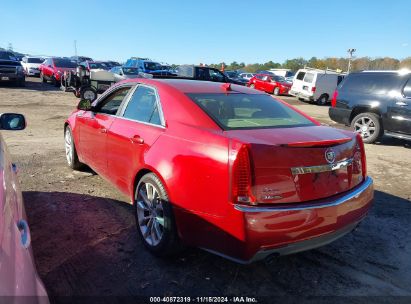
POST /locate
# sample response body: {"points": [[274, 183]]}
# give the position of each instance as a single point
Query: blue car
{"points": [[148, 66]]}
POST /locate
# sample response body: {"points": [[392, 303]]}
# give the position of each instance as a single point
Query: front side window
{"points": [[248, 111], [112, 102], [143, 106], [216, 75], [407, 89]]}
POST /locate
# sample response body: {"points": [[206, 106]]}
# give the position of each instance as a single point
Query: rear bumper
{"points": [[340, 115], [4, 77], [306, 97], [293, 228]]}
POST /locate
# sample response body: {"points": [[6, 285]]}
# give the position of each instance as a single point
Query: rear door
{"points": [[139, 125], [298, 81], [94, 125], [399, 112]]}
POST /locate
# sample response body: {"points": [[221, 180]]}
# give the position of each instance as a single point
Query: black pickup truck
{"points": [[11, 70]]}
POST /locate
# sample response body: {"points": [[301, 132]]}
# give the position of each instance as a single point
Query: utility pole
{"points": [[75, 47], [350, 52], [10, 47]]}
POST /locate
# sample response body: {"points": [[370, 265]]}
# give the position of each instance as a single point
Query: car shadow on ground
{"points": [[391, 141], [32, 85], [88, 245]]}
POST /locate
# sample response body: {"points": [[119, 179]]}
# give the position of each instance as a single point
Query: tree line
{"points": [[357, 64]]}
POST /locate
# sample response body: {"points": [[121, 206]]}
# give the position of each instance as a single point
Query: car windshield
{"points": [[278, 78], [248, 111], [152, 66], [130, 71], [97, 65], [231, 74], [64, 63], [34, 60], [6, 56]]}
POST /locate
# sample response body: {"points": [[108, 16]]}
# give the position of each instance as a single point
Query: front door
{"points": [[93, 128], [399, 112]]}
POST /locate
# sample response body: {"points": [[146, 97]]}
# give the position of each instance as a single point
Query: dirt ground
{"points": [[85, 243]]}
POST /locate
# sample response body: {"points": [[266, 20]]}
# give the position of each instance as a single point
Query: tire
{"points": [[88, 93], [276, 91], [252, 86], [368, 125], [157, 231], [323, 100], [301, 99], [42, 79], [56, 83], [71, 152]]}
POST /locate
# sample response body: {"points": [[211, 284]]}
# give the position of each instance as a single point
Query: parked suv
{"points": [[147, 66], [53, 68], [11, 69], [374, 103]]}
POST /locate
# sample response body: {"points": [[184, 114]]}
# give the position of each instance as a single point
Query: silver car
{"points": [[121, 73]]}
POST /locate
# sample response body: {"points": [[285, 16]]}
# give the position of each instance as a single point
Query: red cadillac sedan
{"points": [[273, 84], [221, 167]]}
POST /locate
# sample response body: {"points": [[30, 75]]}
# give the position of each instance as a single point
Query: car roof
{"points": [[195, 86]]}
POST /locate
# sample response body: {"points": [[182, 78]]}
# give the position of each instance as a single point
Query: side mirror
{"points": [[84, 105], [12, 122]]}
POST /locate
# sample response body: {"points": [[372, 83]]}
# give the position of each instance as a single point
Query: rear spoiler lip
{"points": [[319, 143]]}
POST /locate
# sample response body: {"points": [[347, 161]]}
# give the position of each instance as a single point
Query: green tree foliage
{"points": [[334, 63]]}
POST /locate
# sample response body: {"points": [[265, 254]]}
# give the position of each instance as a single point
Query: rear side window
{"points": [[242, 111], [373, 83], [407, 89], [300, 75], [143, 106], [309, 77]]}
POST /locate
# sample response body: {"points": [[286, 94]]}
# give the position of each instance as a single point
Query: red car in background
{"points": [[53, 68], [272, 84], [221, 167]]}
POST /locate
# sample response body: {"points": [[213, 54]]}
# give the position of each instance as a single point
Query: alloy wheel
{"points": [[150, 214], [365, 126], [68, 146]]}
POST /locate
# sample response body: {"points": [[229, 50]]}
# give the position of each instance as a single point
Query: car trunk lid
{"points": [[291, 165]]}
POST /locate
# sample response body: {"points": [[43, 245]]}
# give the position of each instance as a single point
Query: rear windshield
{"points": [[131, 71], [242, 111], [375, 83], [34, 60], [64, 63]]}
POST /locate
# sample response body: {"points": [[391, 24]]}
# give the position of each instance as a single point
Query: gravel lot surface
{"points": [[85, 243]]}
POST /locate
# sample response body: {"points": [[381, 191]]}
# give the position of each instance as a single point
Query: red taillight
{"points": [[334, 100], [242, 177], [361, 149], [313, 89]]}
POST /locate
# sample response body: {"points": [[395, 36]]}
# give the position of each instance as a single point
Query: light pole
{"points": [[350, 52]]}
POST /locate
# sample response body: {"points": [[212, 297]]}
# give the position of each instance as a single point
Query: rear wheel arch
{"points": [[140, 174], [364, 109]]}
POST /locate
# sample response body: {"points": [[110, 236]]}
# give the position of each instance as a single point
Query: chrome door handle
{"points": [[401, 103], [24, 233], [103, 130]]}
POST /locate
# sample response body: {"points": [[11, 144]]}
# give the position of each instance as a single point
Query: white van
{"points": [[315, 85], [282, 72]]}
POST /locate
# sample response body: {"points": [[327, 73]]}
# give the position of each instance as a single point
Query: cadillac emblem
{"points": [[330, 156]]}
